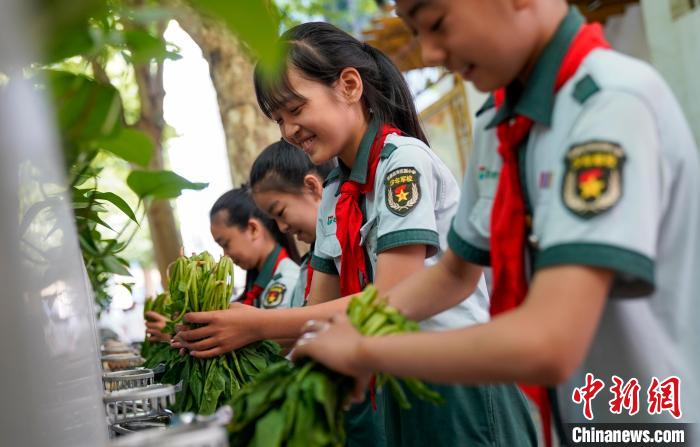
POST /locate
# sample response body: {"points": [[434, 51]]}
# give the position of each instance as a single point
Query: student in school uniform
{"points": [[254, 243], [287, 187], [592, 227], [384, 215]]}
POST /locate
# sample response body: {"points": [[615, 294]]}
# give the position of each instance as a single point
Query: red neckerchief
{"points": [[353, 270], [252, 295], [309, 275], [508, 217]]}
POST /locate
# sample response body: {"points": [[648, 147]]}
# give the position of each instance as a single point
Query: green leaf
{"points": [[160, 184], [118, 202], [255, 22], [113, 265], [64, 27], [268, 430], [132, 145], [91, 215], [85, 108], [144, 47]]}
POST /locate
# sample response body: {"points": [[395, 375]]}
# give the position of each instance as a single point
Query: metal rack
{"points": [[127, 379], [138, 403]]}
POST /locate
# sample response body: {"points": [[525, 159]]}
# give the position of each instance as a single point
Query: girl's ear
{"points": [[255, 228], [313, 185], [350, 85]]}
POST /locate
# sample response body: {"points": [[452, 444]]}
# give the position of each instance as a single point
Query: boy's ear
{"points": [[350, 85], [314, 185]]}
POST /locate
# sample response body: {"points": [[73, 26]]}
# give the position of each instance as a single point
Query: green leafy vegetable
{"points": [[302, 405], [198, 284]]}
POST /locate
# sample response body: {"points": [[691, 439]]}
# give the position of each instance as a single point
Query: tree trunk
{"points": [[247, 129], [161, 218]]}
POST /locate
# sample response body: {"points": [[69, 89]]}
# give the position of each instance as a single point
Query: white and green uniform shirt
{"points": [[413, 199], [298, 298], [277, 283], [611, 178]]}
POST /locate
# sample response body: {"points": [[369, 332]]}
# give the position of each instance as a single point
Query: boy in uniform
{"points": [[592, 226]]}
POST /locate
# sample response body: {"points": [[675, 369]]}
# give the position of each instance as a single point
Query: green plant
{"points": [[303, 405], [96, 121], [199, 283]]}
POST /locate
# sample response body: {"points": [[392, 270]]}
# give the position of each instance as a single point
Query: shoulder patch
{"points": [[489, 104], [387, 150], [592, 181], [585, 88], [274, 295], [402, 190]]}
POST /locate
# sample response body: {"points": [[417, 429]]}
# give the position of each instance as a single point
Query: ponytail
{"points": [[320, 51]]}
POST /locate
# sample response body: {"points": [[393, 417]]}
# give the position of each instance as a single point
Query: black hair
{"points": [[282, 167], [320, 51], [241, 208]]}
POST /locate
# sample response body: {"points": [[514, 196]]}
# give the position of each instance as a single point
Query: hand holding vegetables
{"points": [[155, 325], [200, 283], [302, 405], [219, 331]]}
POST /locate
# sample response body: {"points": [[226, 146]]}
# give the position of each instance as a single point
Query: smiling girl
{"points": [[287, 187], [384, 215]]}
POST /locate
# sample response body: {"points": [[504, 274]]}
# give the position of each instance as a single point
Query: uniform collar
{"points": [[307, 257], [268, 267], [358, 173], [535, 99]]}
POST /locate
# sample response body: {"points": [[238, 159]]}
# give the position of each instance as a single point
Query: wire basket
{"points": [[128, 378], [118, 362], [182, 436], [157, 423], [138, 403], [116, 348]]}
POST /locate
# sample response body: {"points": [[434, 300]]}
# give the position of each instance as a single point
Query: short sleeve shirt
{"points": [[278, 282], [611, 177], [298, 298], [412, 202]]}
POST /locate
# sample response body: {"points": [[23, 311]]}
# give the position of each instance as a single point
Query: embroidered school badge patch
{"points": [[402, 190], [275, 295], [593, 180]]}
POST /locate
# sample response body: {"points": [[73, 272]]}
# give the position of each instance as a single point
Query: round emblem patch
{"points": [[274, 295], [402, 190], [593, 180]]}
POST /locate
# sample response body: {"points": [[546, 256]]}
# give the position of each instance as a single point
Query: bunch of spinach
{"points": [[302, 405], [197, 284]]}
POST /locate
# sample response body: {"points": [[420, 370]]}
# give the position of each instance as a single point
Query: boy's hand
{"points": [[155, 323], [338, 345], [219, 331]]}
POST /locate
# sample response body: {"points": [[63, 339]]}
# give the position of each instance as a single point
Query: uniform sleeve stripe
{"points": [[323, 265], [467, 251], [407, 237], [634, 271]]}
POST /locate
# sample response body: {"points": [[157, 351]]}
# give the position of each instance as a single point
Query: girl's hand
{"points": [[155, 323], [336, 344], [218, 331]]}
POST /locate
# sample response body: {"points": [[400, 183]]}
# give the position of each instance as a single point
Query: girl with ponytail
{"points": [[254, 243], [384, 215], [287, 187]]}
